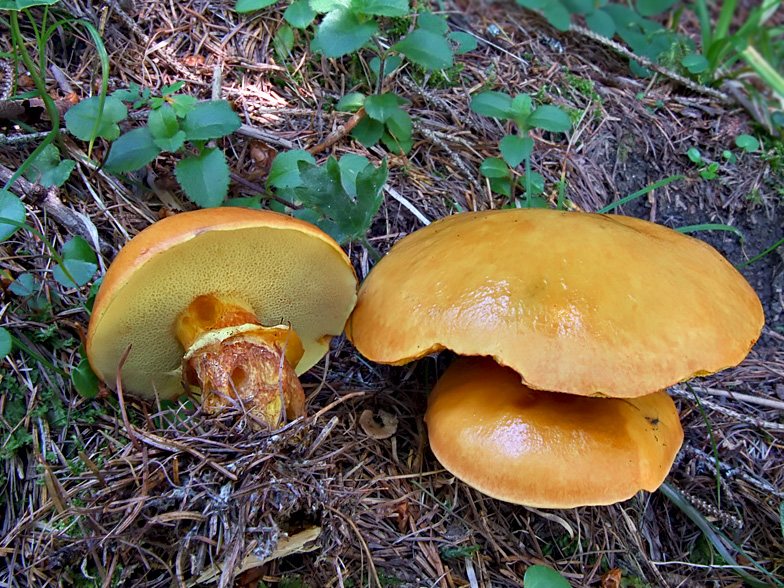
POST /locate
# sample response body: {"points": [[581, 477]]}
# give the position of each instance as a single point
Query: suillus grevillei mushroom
{"points": [[590, 305], [233, 303]]}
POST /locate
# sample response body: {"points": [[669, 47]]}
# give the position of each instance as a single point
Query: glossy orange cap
{"points": [[546, 449], [588, 304]]}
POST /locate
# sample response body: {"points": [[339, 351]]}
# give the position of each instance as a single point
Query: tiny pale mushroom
{"points": [[231, 303]]}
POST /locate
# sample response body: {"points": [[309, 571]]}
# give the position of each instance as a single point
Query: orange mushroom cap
{"points": [[588, 304], [546, 449], [287, 271]]}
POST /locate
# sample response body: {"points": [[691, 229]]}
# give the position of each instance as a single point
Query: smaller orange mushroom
{"points": [[547, 449]]}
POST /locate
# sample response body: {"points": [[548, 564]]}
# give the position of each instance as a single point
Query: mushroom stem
{"points": [[234, 360]]}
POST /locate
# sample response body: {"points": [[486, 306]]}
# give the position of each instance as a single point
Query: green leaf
{"points": [[496, 104], [533, 4], [169, 89], [747, 142], [494, 167], [84, 380], [601, 23], [182, 104], [342, 216], [284, 172], [80, 118], [172, 144], [382, 106], [132, 151], [521, 108], [210, 120], [205, 179], [48, 170], [502, 186], [543, 577], [557, 15], [350, 166], [351, 102], [342, 32], [79, 263], [22, 4], [465, 42], [579, 6], [283, 42], [6, 342], [694, 155], [330, 5], [433, 23], [653, 7], [251, 5], [11, 209], [390, 8], [695, 63], [163, 122], [391, 63], [535, 180], [400, 130], [515, 149], [368, 131], [550, 118], [299, 14], [426, 48], [23, 285]]}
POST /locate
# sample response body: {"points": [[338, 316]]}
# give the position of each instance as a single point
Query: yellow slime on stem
{"points": [[234, 360]]}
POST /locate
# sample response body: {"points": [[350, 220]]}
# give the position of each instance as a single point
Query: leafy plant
{"points": [[385, 120], [540, 576], [753, 41], [345, 27], [708, 169], [340, 196], [174, 120], [517, 148]]}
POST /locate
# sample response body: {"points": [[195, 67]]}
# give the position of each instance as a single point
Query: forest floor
{"points": [[96, 495]]}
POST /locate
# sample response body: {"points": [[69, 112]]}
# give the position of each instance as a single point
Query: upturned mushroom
{"points": [[577, 303], [232, 303]]}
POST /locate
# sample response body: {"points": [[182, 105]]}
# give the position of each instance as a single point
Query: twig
{"points": [[653, 66], [406, 204], [48, 199], [340, 132]]}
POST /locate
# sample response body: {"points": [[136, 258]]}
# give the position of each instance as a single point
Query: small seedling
{"points": [[708, 170], [517, 148]]}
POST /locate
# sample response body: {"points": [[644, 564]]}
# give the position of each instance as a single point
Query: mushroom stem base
{"points": [[246, 367]]}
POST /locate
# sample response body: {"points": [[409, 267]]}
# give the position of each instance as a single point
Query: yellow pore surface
{"points": [[286, 270], [575, 302], [546, 449]]}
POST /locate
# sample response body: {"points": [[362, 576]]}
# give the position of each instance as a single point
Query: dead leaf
{"points": [[612, 579], [193, 60], [378, 426]]}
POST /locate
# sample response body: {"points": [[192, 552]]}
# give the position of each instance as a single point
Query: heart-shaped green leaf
{"points": [[515, 149]]}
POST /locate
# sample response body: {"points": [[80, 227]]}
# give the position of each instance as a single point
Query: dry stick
{"points": [[410, 207], [647, 63], [48, 199], [769, 402], [121, 398], [762, 424], [340, 132], [362, 541]]}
